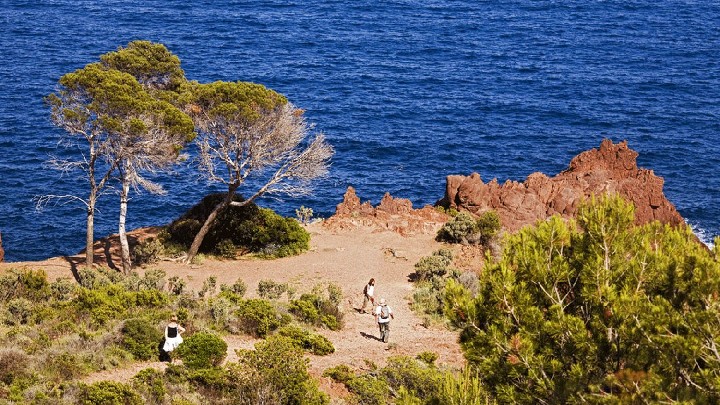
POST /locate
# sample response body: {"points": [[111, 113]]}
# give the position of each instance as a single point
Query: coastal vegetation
{"points": [[131, 114], [595, 309]]}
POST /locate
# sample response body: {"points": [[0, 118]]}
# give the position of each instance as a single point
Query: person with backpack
{"points": [[383, 315], [368, 295]]}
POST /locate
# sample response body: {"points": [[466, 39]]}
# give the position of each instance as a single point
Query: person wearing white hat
{"points": [[383, 315]]}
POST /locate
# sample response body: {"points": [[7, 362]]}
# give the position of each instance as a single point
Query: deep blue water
{"points": [[406, 91]]}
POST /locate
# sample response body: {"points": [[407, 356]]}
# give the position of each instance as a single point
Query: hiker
{"points": [[172, 336], [383, 314], [368, 295]]}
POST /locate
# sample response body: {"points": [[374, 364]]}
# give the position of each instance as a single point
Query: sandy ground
{"points": [[348, 258]]}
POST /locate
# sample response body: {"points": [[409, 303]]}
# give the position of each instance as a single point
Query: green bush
{"points": [[248, 228], [226, 249], [20, 311], [275, 372], [239, 287], [306, 308], [150, 382], [24, 283], [202, 350], [176, 285], [148, 251], [437, 265], [318, 310], [209, 286], [427, 357], [369, 389], [464, 228], [271, 290], [340, 373], [63, 289], [109, 393], [141, 338], [416, 376], [312, 342], [258, 317]]}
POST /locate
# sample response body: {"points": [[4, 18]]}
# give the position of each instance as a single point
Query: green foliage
{"points": [[109, 393], [152, 64], [276, 372], [610, 311], [427, 357], [369, 389], [202, 350], [208, 287], [24, 283], [271, 290], [302, 338], [437, 265], [464, 228], [150, 383], [239, 287], [141, 338], [148, 251], [176, 285], [248, 228], [417, 377], [319, 310], [258, 317], [226, 249]]}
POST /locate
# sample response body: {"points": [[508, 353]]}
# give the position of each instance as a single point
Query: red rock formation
{"points": [[610, 169], [394, 214]]}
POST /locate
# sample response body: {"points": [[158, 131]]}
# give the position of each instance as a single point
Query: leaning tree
{"points": [[248, 131]]}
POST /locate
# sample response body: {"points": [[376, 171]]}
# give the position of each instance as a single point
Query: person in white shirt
{"points": [[368, 295], [383, 315]]}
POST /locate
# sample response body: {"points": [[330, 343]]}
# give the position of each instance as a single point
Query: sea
{"points": [[407, 92]]}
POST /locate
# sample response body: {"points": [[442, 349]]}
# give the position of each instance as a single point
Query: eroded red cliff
{"points": [[610, 169]]}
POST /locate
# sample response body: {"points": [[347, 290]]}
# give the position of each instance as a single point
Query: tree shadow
{"points": [[74, 261], [369, 336]]}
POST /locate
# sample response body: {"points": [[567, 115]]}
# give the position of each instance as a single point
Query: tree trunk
{"points": [[90, 232], [208, 223], [124, 246]]}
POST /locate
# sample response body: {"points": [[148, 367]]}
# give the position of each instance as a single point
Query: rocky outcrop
{"points": [[610, 169], [393, 214]]}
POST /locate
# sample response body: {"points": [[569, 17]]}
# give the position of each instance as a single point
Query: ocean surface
{"points": [[407, 92]]}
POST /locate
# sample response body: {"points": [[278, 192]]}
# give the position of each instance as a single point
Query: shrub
{"points": [[150, 382], [176, 285], [369, 390], [153, 279], [239, 288], [312, 342], [226, 249], [63, 288], [427, 357], [24, 283], [248, 227], [306, 308], [340, 373], [437, 265], [416, 376], [13, 364], [20, 311], [202, 350], [270, 289], [148, 251], [258, 317], [464, 228], [276, 372], [109, 393], [141, 338], [208, 287]]}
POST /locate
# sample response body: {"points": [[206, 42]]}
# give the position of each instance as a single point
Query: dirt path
{"points": [[349, 259]]}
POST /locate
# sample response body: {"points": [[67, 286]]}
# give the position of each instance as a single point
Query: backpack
{"points": [[384, 312]]}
